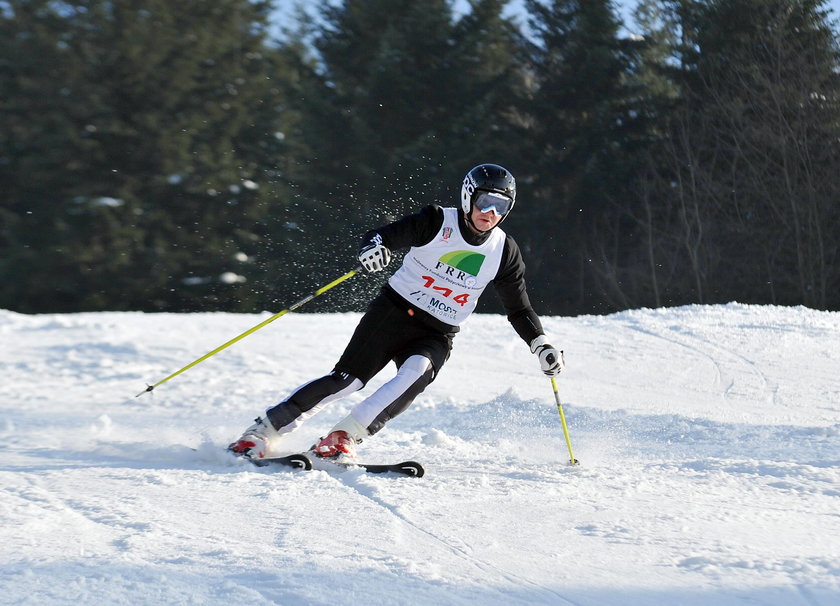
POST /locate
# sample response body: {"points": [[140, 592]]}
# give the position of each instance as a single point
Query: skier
{"points": [[454, 255]]}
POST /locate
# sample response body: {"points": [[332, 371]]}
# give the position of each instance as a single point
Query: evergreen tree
{"points": [[135, 141], [656, 23], [758, 158], [630, 269], [584, 122], [398, 101]]}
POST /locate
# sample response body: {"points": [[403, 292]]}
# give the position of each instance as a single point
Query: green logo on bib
{"points": [[466, 261]]}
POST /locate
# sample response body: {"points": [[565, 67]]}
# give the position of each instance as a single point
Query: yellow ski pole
{"points": [[293, 307], [572, 459]]}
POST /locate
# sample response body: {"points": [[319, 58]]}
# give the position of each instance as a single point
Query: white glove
{"points": [[551, 360], [375, 256]]}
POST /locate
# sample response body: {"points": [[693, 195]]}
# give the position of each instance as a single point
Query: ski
{"points": [[303, 462], [406, 468], [295, 461]]}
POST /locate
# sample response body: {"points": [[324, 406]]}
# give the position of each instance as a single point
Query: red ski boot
{"points": [[336, 444]]}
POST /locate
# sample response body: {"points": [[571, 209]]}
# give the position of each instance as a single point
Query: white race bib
{"points": [[446, 276]]}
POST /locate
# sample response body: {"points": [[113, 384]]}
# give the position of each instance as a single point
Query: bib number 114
{"points": [[445, 291]]}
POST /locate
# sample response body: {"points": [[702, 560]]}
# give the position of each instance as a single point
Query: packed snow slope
{"points": [[709, 442]]}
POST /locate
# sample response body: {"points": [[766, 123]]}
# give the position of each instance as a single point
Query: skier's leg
{"points": [[286, 416], [395, 396], [371, 414], [369, 350], [309, 398]]}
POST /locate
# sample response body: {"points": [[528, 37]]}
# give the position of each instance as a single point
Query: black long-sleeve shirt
{"points": [[420, 228]]}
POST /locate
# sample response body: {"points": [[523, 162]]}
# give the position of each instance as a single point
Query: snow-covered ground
{"points": [[709, 441]]}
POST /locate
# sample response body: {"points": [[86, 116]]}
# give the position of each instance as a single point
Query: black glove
{"points": [[551, 360]]}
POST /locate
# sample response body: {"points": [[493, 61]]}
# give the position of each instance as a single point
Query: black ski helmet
{"points": [[487, 177]]}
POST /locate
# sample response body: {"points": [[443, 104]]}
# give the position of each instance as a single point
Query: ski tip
{"points": [[412, 468], [295, 461], [406, 468], [300, 461]]}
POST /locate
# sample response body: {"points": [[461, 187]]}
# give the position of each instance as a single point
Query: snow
{"points": [[709, 441]]}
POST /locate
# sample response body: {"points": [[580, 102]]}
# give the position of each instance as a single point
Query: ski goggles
{"points": [[490, 200]]}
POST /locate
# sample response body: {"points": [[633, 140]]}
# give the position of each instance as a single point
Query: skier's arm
{"points": [[510, 284], [412, 230]]}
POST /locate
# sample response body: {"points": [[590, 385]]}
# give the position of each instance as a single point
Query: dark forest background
{"points": [[177, 156]]}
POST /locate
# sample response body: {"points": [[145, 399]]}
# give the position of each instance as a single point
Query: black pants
{"points": [[390, 330]]}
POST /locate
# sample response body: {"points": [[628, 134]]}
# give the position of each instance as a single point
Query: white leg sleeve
{"points": [[366, 411], [356, 430]]}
